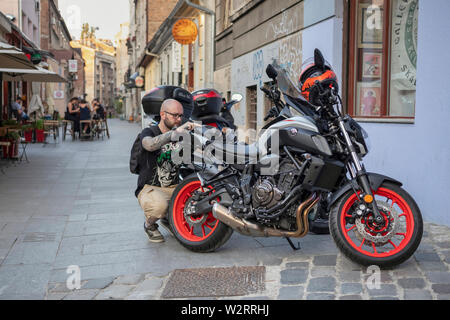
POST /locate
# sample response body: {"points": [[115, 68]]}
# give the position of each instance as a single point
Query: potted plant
{"points": [[10, 124], [39, 129], [13, 150], [28, 132]]}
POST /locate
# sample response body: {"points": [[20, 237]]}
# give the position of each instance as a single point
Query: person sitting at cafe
{"points": [[85, 114], [16, 106], [22, 115], [98, 110], [73, 113]]}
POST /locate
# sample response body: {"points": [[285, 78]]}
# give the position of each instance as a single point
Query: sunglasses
{"points": [[175, 115]]}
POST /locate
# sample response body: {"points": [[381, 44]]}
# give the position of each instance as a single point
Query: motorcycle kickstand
{"points": [[292, 244]]}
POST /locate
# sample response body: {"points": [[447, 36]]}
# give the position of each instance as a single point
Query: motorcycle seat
{"points": [[239, 153]]}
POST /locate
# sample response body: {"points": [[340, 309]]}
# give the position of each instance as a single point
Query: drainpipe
{"points": [[20, 16], [213, 27]]}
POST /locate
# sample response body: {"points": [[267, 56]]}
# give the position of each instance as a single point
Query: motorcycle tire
{"points": [[368, 244], [198, 233]]}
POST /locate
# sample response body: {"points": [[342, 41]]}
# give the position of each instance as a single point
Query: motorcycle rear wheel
{"points": [[359, 239], [198, 233]]}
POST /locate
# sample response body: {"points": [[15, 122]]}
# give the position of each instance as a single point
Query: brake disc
{"points": [[379, 239], [190, 216]]}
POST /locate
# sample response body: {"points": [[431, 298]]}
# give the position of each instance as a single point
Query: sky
{"points": [[107, 15]]}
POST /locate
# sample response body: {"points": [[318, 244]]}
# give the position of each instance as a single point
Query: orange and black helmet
{"points": [[316, 72]]}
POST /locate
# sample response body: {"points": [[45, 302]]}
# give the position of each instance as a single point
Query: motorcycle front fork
{"points": [[359, 173], [364, 185]]}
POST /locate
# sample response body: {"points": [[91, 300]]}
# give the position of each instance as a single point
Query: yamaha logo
{"points": [[293, 132]]}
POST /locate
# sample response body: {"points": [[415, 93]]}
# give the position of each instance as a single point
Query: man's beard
{"points": [[169, 125]]}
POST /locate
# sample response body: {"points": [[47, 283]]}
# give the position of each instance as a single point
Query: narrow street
{"points": [[74, 205]]}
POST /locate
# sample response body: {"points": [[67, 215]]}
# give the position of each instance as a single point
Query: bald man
{"points": [[159, 177]]}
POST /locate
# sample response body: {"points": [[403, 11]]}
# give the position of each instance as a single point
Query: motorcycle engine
{"points": [[267, 193]]}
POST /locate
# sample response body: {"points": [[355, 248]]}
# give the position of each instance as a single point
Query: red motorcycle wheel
{"points": [[199, 233], [364, 242]]}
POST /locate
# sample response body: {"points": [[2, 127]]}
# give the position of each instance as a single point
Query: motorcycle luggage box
{"points": [[153, 100], [206, 102]]}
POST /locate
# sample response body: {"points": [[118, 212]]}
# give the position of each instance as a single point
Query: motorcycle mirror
{"points": [[271, 72], [237, 97]]}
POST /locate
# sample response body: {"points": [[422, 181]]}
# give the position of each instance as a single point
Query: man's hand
{"points": [[187, 126]]}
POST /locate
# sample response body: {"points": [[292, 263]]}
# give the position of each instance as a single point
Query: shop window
{"points": [[252, 103], [383, 59], [268, 104]]}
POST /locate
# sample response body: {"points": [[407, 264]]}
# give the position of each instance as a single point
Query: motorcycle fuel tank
{"points": [[301, 133]]}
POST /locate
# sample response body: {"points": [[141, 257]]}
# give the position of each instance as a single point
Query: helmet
{"points": [[206, 102], [316, 72]]}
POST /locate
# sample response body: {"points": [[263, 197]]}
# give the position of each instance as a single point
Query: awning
{"points": [[37, 75], [13, 58]]}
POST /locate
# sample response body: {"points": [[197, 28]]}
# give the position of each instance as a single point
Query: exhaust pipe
{"points": [[254, 230]]}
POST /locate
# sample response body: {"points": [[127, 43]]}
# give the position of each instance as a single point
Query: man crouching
{"points": [[158, 176]]}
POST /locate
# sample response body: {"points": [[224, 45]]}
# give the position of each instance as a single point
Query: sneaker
{"points": [[165, 224], [153, 234]]}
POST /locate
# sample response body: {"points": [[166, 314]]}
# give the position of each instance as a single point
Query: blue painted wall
{"points": [[419, 154]]}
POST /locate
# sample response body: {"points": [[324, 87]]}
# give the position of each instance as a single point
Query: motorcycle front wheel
{"points": [[367, 243], [196, 232]]}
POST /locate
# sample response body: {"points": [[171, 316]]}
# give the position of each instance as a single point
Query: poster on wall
{"points": [[372, 63], [370, 26], [369, 99]]}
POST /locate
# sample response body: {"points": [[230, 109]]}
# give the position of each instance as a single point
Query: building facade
{"points": [[25, 14], [20, 20], [122, 62], [12, 35], [146, 17], [55, 38], [99, 68], [386, 54], [250, 34], [167, 62]]}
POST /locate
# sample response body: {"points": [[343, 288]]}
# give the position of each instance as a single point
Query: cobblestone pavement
{"points": [[73, 205]]}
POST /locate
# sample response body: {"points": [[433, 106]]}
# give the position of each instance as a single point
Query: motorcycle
{"points": [[372, 219], [206, 106]]}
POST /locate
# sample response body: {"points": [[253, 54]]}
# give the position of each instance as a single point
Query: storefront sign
{"points": [[176, 57], [404, 44], [139, 82], [185, 31], [58, 94], [73, 65], [404, 57]]}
